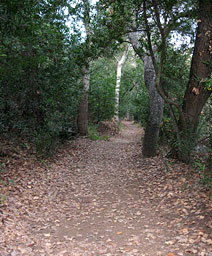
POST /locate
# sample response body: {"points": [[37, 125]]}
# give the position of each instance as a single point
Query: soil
{"points": [[100, 198]]}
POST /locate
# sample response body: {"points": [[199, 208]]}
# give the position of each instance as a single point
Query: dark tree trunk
{"points": [[83, 115], [196, 93], [83, 108], [82, 121], [156, 110]]}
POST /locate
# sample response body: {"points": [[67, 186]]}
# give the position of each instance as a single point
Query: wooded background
{"points": [[58, 71]]}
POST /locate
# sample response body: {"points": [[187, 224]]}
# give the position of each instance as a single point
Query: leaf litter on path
{"points": [[104, 198]]}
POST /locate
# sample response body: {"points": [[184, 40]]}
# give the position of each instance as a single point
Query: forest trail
{"points": [[103, 198]]}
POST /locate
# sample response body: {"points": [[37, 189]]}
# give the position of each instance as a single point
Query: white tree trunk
{"points": [[118, 82]]}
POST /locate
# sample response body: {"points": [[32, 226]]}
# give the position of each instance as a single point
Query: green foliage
{"points": [[94, 135], [205, 123], [102, 90], [140, 109], [12, 182], [2, 168], [206, 176], [174, 80], [134, 97], [3, 199], [186, 143], [205, 128], [39, 95], [40, 67], [44, 143], [208, 83], [166, 129], [176, 72]]}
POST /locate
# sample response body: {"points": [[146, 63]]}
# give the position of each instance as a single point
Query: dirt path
{"points": [[102, 198]]}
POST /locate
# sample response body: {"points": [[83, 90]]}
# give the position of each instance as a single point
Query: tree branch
{"points": [[149, 37]]}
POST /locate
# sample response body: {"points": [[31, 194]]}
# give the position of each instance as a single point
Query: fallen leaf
{"points": [[185, 231], [47, 235], [195, 91], [170, 242]]}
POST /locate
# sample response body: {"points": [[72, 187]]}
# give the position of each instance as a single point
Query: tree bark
{"points": [[82, 121], [118, 82], [83, 108], [196, 93], [156, 102], [156, 110], [201, 67]]}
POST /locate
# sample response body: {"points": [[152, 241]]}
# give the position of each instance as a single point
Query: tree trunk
{"points": [[196, 93], [83, 108], [128, 117], [156, 101], [156, 110], [118, 82]]}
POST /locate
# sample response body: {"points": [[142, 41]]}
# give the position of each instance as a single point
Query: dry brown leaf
{"points": [[195, 91], [122, 195], [185, 231]]}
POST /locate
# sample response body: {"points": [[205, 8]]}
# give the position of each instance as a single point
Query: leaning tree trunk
{"points": [[156, 110], [156, 102], [83, 108], [197, 92], [118, 82]]}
